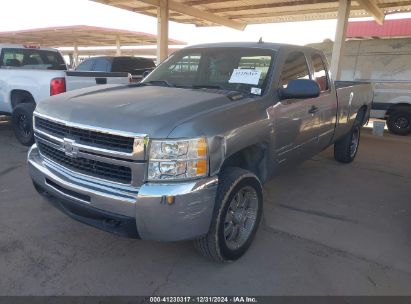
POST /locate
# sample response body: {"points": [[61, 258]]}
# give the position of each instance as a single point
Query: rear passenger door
{"points": [[326, 102], [295, 124]]}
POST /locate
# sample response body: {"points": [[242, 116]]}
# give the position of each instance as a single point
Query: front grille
{"points": [[86, 166], [86, 137]]}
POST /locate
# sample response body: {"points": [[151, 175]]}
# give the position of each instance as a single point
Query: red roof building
{"points": [[370, 29]]}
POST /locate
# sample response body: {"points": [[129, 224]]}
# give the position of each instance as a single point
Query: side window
{"points": [[120, 65], [86, 65], [320, 73], [102, 65], [295, 67]]}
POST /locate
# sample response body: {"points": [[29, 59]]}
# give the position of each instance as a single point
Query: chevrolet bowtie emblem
{"points": [[69, 148]]}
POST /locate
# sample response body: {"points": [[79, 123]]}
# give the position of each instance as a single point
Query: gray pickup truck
{"points": [[183, 154]]}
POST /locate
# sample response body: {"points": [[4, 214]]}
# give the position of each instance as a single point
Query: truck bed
{"points": [[79, 79], [351, 96]]}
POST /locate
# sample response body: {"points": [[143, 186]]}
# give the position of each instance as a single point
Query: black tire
{"points": [[346, 148], [232, 182], [399, 122], [22, 120]]}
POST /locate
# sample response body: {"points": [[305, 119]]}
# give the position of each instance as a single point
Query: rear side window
{"points": [[32, 59], [295, 67], [86, 65], [320, 73]]}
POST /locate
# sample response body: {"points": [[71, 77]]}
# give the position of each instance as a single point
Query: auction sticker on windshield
{"points": [[255, 91], [246, 76]]}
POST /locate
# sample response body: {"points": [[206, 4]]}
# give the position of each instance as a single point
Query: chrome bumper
{"points": [[187, 217]]}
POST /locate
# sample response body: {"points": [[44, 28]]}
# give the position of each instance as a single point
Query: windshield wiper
{"points": [[159, 82], [216, 86], [208, 86]]}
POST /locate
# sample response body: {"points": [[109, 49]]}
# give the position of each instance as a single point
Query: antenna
{"points": [[261, 40]]}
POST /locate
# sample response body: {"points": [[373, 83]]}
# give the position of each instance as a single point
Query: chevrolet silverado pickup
{"points": [[183, 154], [29, 74]]}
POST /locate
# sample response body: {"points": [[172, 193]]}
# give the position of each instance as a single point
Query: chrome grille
{"points": [[87, 166], [86, 137]]}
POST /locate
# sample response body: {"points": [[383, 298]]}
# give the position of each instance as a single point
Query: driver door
{"points": [[295, 120]]}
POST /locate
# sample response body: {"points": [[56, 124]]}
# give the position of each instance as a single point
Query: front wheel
{"points": [[22, 120], [237, 215], [346, 148]]}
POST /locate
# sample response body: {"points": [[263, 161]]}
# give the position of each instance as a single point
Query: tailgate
{"points": [[77, 80]]}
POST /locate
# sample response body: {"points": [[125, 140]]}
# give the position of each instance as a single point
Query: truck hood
{"points": [[151, 110]]}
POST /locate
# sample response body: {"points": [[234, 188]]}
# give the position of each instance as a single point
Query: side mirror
{"points": [[300, 89]]}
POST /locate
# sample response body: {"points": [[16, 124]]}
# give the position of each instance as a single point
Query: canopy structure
{"points": [[238, 14], [150, 52], [81, 36]]}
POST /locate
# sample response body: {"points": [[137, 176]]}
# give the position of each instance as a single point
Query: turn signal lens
{"points": [[201, 167], [201, 147]]}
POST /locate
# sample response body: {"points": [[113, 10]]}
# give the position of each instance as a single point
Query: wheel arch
{"points": [[253, 158], [362, 115], [18, 96], [398, 106]]}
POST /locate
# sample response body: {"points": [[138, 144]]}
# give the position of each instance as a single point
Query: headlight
{"points": [[177, 159]]}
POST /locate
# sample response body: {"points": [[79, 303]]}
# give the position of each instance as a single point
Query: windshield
{"points": [[236, 69]]}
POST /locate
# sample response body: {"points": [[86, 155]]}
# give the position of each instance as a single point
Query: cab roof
{"points": [[23, 46], [259, 45]]}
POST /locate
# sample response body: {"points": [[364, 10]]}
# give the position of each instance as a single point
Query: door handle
{"points": [[313, 110]]}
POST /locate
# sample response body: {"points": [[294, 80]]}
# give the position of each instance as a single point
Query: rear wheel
{"points": [[237, 215], [399, 122], [346, 148], [22, 119]]}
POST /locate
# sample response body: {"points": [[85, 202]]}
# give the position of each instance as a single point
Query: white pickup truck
{"points": [[30, 74]]}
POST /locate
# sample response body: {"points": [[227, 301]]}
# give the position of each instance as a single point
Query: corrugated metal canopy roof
{"points": [[82, 35], [260, 11]]}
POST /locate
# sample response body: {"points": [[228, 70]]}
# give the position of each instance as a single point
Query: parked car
{"points": [[386, 64], [29, 74], [183, 154], [136, 66]]}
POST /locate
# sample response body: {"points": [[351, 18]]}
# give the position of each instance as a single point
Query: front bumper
{"points": [[115, 208]]}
